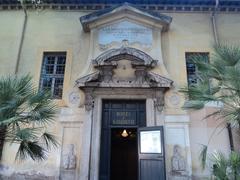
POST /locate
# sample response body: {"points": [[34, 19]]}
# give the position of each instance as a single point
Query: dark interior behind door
{"points": [[118, 114]]}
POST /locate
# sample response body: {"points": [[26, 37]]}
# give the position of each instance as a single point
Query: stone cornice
{"points": [[153, 7], [125, 9]]}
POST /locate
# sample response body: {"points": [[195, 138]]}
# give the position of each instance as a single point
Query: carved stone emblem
{"points": [[69, 159], [174, 99], [74, 98], [178, 162]]}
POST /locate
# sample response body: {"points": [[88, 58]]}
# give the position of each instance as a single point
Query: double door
{"points": [[129, 149]]}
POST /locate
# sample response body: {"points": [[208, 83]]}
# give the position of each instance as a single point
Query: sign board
{"points": [[150, 141], [151, 153]]}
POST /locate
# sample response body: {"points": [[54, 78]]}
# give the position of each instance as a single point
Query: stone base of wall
{"points": [[201, 178], [20, 176], [9, 173], [178, 177]]}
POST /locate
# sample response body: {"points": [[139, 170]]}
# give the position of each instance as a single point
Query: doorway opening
{"points": [[124, 154], [119, 154]]}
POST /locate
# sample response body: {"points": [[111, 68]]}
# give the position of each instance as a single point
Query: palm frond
{"points": [[194, 105], [32, 150], [49, 140], [25, 112], [203, 156], [227, 55], [220, 165], [224, 71], [27, 134]]}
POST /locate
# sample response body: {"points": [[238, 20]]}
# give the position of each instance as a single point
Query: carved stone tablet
{"points": [[124, 31]]}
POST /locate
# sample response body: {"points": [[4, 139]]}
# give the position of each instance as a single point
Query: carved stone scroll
{"points": [[159, 101], [89, 99], [141, 74], [106, 73]]}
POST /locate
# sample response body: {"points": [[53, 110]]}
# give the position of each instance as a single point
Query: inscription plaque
{"points": [[125, 31], [124, 118]]}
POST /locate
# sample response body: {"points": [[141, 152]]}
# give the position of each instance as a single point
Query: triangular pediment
{"points": [[127, 11]]}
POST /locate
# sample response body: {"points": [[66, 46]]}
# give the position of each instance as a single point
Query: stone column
{"points": [[96, 139], [85, 152], [87, 136]]}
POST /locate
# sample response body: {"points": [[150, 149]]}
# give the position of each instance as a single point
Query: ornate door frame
{"points": [[101, 85], [91, 149]]}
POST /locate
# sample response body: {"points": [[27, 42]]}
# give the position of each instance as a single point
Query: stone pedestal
{"points": [[68, 174], [178, 177]]}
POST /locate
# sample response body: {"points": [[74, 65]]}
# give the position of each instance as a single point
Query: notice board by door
{"points": [[151, 153]]}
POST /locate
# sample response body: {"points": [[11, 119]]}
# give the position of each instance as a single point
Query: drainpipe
{"points": [[22, 37], [229, 128], [214, 27]]}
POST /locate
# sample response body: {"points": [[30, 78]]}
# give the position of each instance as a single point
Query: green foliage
{"points": [[25, 113], [203, 156], [226, 168], [218, 81]]}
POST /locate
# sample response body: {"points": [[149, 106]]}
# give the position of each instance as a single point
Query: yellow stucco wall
{"points": [[49, 30], [61, 31]]}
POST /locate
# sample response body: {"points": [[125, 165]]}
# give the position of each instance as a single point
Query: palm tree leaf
{"points": [[193, 105], [203, 156], [22, 108], [32, 150], [49, 140]]}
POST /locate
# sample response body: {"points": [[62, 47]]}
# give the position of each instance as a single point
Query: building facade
{"points": [[115, 69]]}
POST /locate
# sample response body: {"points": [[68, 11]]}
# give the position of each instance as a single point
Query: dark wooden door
{"points": [[151, 153], [118, 114]]}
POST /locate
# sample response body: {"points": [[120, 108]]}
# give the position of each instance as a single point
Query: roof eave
{"points": [[126, 8]]}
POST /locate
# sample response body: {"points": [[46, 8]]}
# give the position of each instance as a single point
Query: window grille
{"points": [[52, 73], [191, 67]]}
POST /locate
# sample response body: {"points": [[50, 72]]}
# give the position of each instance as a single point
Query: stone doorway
{"points": [[119, 143], [122, 74]]}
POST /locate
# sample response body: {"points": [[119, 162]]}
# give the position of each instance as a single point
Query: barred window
{"points": [[191, 67], [52, 73]]}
